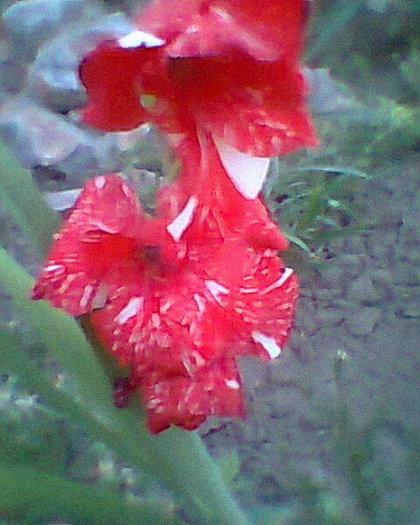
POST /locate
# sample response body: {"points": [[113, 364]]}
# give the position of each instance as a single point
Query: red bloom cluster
{"points": [[179, 296], [229, 67]]}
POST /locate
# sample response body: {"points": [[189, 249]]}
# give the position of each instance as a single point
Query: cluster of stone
{"points": [[41, 45]]}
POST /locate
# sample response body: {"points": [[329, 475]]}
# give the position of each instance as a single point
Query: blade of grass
{"points": [[334, 169], [59, 333], [295, 240], [29, 493], [24, 202]]}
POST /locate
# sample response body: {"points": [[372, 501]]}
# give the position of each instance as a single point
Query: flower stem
{"points": [[199, 478]]}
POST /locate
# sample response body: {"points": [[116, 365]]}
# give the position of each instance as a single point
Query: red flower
{"points": [[227, 67], [179, 296]]}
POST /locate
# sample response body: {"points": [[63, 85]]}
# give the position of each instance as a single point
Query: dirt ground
{"points": [[360, 309]]}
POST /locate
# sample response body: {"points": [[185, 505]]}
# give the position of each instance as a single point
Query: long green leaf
{"points": [[334, 169], [35, 495], [23, 201], [59, 333]]}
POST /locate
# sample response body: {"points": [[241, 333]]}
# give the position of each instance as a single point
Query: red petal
{"points": [[266, 30], [229, 67], [257, 107], [113, 78], [96, 244], [214, 390]]}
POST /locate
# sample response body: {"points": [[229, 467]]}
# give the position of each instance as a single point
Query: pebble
{"points": [[331, 316], [53, 77], [331, 276], [362, 321], [351, 264], [31, 22], [41, 138], [363, 291]]}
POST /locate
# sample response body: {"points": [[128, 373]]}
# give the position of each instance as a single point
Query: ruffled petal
{"points": [[187, 402], [254, 106], [230, 68], [97, 243], [113, 77], [266, 30]]}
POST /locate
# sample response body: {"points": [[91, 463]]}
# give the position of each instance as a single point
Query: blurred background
{"points": [[332, 435]]}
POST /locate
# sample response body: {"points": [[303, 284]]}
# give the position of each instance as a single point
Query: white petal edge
{"points": [[131, 309], [247, 173], [285, 276], [181, 222], [216, 289], [233, 384], [268, 343], [138, 38]]}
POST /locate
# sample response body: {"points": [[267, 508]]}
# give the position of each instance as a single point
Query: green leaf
{"points": [[59, 333], [23, 201], [334, 169], [295, 240], [90, 404], [31, 495]]}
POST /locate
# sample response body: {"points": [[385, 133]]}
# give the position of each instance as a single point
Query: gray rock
{"points": [[53, 77], [331, 316], [362, 290], [36, 135], [331, 276], [380, 277], [41, 138], [362, 321], [326, 94], [31, 22]]}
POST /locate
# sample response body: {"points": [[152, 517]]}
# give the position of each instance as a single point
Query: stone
{"points": [[361, 290], [53, 77], [362, 321], [31, 22], [351, 264]]}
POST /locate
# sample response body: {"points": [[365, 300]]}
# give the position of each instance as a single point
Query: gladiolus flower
{"points": [[179, 296], [223, 67]]}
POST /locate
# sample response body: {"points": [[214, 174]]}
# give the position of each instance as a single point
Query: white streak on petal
{"points": [[268, 343], [53, 268], [87, 292], [285, 276], [232, 383], [200, 303], [155, 320], [216, 289], [181, 222], [246, 173], [130, 310], [139, 38], [99, 182], [101, 226], [100, 297]]}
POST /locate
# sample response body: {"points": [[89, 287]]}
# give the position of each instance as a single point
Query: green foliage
{"points": [[20, 198], [314, 203]]}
